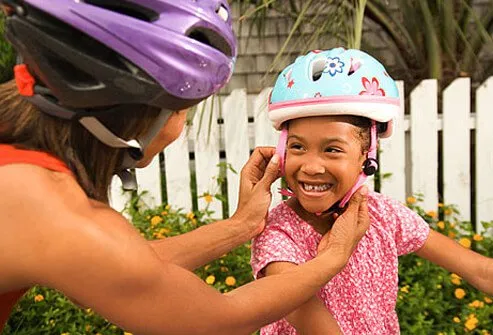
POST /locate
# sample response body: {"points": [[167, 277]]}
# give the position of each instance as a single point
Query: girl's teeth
{"points": [[316, 188]]}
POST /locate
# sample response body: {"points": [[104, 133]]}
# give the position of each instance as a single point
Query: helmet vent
{"points": [[317, 68], [126, 8], [355, 65], [212, 39]]}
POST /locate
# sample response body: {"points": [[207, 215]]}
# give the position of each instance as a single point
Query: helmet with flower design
{"points": [[336, 82]]}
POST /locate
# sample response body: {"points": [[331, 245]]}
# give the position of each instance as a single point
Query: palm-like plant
{"points": [[439, 39]]}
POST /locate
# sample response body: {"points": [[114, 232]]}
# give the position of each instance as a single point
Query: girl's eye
{"points": [[296, 146], [332, 150]]}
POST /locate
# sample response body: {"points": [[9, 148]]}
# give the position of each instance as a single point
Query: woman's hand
{"points": [[257, 176], [348, 229]]}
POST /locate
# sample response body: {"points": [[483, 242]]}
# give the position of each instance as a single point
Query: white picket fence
{"points": [[411, 156]]}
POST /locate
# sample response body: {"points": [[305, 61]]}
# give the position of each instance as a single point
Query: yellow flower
{"points": [[230, 281], [411, 200], [224, 269], [485, 332], [459, 293], [440, 205], [405, 289], [477, 237], [441, 224], [39, 298], [65, 334], [52, 322], [476, 304], [455, 279], [127, 333], [432, 214], [465, 242], [439, 286], [167, 207], [456, 319], [447, 211], [451, 234], [164, 230], [487, 300], [208, 198], [164, 213], [88, 310], [207, 267], [471, 322], [418, 263], [210, 280], [440, 333], [190, 216], [155, 220]]}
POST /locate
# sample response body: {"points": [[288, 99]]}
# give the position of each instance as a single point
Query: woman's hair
{"points": [[92, 162]]}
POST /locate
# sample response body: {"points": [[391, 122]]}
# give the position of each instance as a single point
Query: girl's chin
{"points": [[318, 207]]}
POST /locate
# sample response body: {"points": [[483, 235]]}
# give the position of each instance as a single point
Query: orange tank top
{"points": [[11, 155]]}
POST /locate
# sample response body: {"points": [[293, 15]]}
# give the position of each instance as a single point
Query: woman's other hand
{"points": [[257, 176], [348, 229]]}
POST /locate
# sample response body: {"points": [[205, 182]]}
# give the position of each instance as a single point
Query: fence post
{"points": [[424, 143], [393, 156], [484, 153], [235, 115], [457, 146]]}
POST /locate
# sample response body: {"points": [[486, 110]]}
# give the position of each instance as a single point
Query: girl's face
{"points": [[168, 133], [323, 160]]}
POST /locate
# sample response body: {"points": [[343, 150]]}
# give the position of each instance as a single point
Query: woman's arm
{"points": [[473, 267], [54, 237], [311, 318], [211, 241]]}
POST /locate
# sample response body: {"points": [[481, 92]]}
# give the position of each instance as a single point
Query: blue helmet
{"points": [[335, 82]]}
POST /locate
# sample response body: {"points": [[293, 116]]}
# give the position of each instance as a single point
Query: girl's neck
{"points": [[321, 223]]}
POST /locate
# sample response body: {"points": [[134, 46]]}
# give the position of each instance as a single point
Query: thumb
{"points": [[271, 172], [363, 219]]}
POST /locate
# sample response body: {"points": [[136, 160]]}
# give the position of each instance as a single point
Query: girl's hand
{"points": [[348, 229], [257, 176]]}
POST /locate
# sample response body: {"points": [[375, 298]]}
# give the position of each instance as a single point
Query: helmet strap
{"points": [[370, 165]]}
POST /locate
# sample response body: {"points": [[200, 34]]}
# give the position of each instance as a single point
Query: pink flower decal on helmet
{"points": [[371, 88]]}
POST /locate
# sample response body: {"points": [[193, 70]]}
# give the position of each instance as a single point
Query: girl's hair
{"points": [[92, 162], [363, 126]]}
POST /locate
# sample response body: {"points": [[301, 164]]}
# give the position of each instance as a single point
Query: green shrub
{"points": [[429, 298]]}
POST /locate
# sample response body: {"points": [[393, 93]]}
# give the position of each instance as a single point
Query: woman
{"points": [[99, 90]]}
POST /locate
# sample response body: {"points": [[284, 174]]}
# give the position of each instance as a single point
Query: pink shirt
{"points": [[363, 295]]}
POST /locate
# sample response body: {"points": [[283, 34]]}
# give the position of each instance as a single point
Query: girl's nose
{"points": [[312, 167]]}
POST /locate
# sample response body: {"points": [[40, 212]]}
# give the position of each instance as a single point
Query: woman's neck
{"points": [[321, 223]]}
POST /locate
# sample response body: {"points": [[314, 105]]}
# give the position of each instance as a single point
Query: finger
{"points": [[255, 167], [271, 172], [363, 218]]}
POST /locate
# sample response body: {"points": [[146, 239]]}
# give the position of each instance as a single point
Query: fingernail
{"points": [[275, 159]]}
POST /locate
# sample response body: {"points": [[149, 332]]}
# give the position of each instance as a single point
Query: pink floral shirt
{"points": [[363, 295]]}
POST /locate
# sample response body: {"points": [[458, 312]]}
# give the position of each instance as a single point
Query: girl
{"points": [[98, 90], [330, 106]]}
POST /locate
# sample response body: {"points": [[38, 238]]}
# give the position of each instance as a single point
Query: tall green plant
{"points": [[439, 39]]}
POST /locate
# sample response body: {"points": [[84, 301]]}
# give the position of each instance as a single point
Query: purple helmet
{"points": [[91, 54]]}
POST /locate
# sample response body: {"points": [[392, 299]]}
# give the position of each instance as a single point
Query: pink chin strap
{"points": [[369, 166]]}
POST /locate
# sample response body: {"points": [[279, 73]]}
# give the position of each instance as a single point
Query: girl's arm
{"points": [[311, 318], [473, 267], [209, 242]]}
